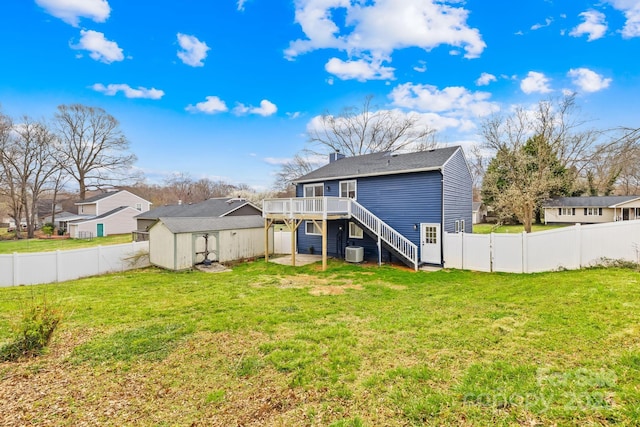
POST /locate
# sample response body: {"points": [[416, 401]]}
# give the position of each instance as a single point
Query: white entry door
{"points": [[430, 243]]}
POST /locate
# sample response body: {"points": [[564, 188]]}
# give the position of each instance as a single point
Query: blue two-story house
{"points": [[393, 206]]}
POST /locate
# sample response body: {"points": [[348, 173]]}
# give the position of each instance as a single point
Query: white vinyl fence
{"points": [[564, 248], [281, 242], [59, 266]]}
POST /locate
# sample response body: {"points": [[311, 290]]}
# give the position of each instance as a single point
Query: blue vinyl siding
{"points": [[399, 200], [458, 195], [402, 200]]}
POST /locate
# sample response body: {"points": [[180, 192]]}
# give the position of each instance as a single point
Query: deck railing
{"points": [[298, 206], [326, 206], [393, 238]]}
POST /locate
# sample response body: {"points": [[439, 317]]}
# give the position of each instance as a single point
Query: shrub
{"points": [[32, 333]]}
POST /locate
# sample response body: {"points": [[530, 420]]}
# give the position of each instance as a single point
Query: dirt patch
{"points": [[333, 290], [214, 267]]}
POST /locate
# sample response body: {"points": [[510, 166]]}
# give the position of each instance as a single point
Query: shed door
{"points": [[430, 243], [100, 230]]}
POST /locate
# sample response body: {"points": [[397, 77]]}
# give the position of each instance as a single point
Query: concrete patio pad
{"points": [[301, 259]]}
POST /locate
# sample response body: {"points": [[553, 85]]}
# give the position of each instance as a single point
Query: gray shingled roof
{"points": [[209, 208], [104, 215], [380, 164], [98, 197], [194, 225], [588, 202]]}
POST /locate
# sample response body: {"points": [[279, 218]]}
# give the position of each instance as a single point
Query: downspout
{"points": [[442, 223]]}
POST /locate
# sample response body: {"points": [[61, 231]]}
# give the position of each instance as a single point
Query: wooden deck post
{"points": [[294, 230], [324, 244], [267, 225]]}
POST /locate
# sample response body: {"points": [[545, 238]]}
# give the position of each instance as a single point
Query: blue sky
{"points": [[226, 89]]}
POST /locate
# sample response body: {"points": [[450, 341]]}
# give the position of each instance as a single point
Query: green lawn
{"points": [[45, 245], [268, 344], [494, 228]]}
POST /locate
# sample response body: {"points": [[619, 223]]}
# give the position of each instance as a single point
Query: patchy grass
{"points": [[268, 344], [494, 228], [47, 245]]}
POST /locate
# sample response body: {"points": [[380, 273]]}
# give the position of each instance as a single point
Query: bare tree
{"points": [[289, 171], [368, 130], [354, 132], [28, 163], [539, 153], [94, 149]]}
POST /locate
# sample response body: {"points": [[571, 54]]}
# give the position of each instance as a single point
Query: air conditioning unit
{"points": [[354, 253]]}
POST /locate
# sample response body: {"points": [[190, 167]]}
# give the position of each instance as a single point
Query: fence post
{"points": [[525, 253], [578, 232], [491, 252], [15, 269], [58, 262]]}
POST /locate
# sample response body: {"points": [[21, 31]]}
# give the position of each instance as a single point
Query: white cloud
{"points": [[361, 70], [547, 22], [193, 50], [588, 80], [266, 108], [212, 105], [100, 48], [454, 101], [277, 161], [485, 79], [373, 30], [70, 11], [594, 25], [129, 92], [294, 115], [535, 83], [241, 4], [421, 67], [631, 10]]}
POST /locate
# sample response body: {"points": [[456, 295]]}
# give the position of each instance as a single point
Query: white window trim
{"points": [[360, 235], [355, 189], [304, 189], [306, 229]]}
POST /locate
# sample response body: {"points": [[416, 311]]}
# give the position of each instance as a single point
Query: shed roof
{"points": [[216, 207], [589, 202], [200, 224], [387, 163]]}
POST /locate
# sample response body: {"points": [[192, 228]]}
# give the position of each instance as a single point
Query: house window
{"points": [[355, 232], [314, 190], [348, 189], [312, 228], [462, 225], [457, 227], [593, 211], [567, 211], [139, 206], [637, 213]]}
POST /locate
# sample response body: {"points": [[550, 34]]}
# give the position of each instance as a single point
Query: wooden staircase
{"points": [[385, 233]]}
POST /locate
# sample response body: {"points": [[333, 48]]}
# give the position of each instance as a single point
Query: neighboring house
{"points": [[179, 243], [212, 208], [388, 204], [107, 213], [591, 210], [479, 212]]}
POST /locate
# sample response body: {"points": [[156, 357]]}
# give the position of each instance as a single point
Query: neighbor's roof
{"points": [[216, 207], [104, 215], [104, 196], [588, 202], [476, 206], [192, 225], [386, 163]]}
